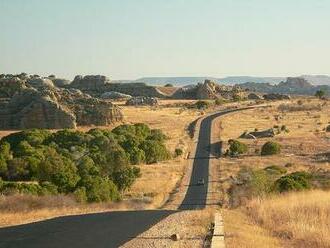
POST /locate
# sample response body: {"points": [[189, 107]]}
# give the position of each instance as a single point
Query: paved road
{"points": [[196, 196], [112, 229]]}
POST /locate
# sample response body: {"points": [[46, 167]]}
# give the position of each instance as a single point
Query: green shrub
{"points": [[157, 134], [125, 178], [270, 148], [293, 182], [202, 104], [327, 128], [80, 195], [219, 101], [168, 85], [100, 189], [155, 151], [178, 152], [236, 147], [59, 170]]}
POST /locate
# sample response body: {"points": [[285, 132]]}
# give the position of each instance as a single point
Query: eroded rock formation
{"points": [[34, 102]]}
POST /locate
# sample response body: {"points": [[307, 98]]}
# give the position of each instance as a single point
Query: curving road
{"points": [[196, 196], [112, 229]]}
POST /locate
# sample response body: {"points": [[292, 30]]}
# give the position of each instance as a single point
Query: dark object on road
{"points": [[200, 182]]}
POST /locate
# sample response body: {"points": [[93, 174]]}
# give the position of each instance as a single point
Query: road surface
{"points": [[112, 229]]}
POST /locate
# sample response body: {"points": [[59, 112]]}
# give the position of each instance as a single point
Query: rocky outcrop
{"points": [[113, 95], [292, 85], [96, 85], [210, 90], [38, 103], [31, 109], [151, 101], [258, 134]]}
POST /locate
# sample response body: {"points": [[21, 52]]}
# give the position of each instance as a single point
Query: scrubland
{"points": [[268, 218], [149, 191]]}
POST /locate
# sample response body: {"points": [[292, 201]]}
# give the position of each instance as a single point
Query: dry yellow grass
{"points": [[240, 232], [293, 220], [301, 219]]}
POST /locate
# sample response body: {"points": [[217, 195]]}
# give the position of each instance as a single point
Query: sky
{"points": [[128, 39]]}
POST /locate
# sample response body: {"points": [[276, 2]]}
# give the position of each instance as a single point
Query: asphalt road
{"points": [[112, 229], [196, 196]]}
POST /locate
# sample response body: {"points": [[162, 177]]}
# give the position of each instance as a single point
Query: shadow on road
{"points": [[110, 229]]}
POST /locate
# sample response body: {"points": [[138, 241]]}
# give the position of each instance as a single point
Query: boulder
{"points": [[39, 104], [114, 95], [258, 134], [40, 83], [142, 100]]}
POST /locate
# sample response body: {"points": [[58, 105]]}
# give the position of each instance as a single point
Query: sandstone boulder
{"points": [[142, 100], [37, 103], [114, 95], [258, 134]]}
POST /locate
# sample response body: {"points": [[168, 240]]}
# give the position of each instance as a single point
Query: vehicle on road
{"points": [[200, 182]]}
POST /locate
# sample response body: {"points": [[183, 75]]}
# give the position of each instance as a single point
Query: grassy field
{"points": [[285, 220]]}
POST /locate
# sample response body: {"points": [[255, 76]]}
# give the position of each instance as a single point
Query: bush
{"points": [[80, 195], [168, 85], [293, 182], [327, 128], [218, 101], [270, 148], [236, 147], [155, 151], [100, 189], [178, 152], [202, 104], [59, 170]]}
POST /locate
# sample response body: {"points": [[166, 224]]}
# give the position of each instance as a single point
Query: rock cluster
{"points": [[210, 90], [142, 100], [96, 85], [34, 102], [114, 95]]}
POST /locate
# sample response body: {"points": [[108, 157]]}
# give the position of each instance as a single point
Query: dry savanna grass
{"points": [[301, 219], [294, 220]]}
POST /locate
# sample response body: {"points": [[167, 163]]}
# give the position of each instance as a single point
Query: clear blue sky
{"points": [[127, 39]]}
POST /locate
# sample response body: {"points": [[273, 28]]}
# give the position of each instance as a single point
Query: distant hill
{"points": [[177, 81], [181, 81], [296, 86]]}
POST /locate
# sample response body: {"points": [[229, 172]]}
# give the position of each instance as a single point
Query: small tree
{"points": [[270, 148], [236, 147], [320, 93], [202, 104]]}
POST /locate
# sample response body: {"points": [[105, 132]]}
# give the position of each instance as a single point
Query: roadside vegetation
{"points": [[95, 166], [278, 184]]}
